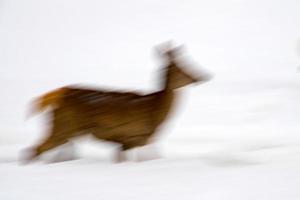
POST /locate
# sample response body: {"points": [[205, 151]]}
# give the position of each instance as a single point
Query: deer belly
{"points": [[121, 131]]}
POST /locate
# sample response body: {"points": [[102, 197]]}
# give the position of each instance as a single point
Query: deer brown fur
{"points": [[127, 118]]}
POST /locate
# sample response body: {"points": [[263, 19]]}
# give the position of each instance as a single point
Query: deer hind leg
{"points": [[62, 131], [50, 143]]}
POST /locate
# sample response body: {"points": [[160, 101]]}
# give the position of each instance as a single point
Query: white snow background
{"points": [[236, 137]]}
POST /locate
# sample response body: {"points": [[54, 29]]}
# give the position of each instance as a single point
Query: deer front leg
{"points": [[121, 155], [147, 152], [130, 143]]}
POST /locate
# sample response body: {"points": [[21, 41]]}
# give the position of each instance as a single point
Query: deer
{"points": [[127, 118]]}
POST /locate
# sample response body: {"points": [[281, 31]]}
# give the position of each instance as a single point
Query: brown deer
{"points": [[127, 118]]}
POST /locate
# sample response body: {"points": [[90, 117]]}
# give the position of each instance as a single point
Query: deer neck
{"points": [[164, 100], [168, 93], [163, 104], [167, 99], [167, 84]]}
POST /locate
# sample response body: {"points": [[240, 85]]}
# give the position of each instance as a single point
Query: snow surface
{"points": [[236, 137]]}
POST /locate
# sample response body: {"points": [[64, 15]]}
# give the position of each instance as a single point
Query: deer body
{"points": [[127, 118]]}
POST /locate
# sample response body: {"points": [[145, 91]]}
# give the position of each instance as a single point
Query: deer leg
{"points": [[130, 143], [62, 130], [122, 152], [147, 152], [49, 143], [121, 155]]}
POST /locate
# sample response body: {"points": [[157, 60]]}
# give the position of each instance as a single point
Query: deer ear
{"points": [[179, 49], [161, 49]]}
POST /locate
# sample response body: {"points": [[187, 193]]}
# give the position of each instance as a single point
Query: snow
{"points": [[255, 172], [235, 137]]}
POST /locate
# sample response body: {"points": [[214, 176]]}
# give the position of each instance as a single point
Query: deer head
{"points": [[176, 74]]}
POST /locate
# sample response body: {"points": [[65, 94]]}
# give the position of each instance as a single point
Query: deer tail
{"points": [[51, 99]]}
